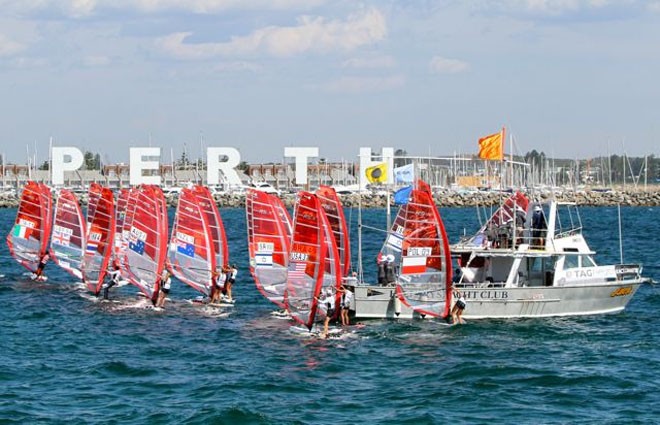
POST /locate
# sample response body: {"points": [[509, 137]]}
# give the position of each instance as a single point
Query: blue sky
{"points": [[572, 78]]}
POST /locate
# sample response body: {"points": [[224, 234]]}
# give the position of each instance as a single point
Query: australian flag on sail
{"points": [[136, 246], [185, 248]]}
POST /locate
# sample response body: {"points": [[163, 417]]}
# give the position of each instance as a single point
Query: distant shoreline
{"points": [[641, 198]]}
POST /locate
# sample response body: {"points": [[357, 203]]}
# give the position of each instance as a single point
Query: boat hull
{"points": [[372, 302]]}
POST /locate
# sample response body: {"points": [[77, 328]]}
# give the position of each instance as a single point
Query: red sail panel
{"points": [[100, 236], [306, 260], [418, 243], [210, 208], [68, 237], [507, 212], [332, 272], [334, 211], [146, 221], [283, 215], [28, 240], [191, 255], [268, 244]]}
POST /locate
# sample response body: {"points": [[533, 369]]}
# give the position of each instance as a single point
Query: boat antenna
{"points": [[620, 234], [359, 226]]}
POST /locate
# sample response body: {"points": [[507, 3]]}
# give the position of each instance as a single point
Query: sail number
{"points": [[419, 251], [265, 247], [299, 256]]}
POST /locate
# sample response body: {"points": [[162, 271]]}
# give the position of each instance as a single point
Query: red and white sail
{"points": [[313, 261], [331, 204], [28, 240], [100, 236], [67, 242], [191, 256], [418, 242], [269, 230], [146, 221], [218, 235]]}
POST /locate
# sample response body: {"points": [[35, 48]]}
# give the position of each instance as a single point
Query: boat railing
{"points": [[628, 271]]}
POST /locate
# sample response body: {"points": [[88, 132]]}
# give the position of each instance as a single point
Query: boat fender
{"points": [[397, 306]]}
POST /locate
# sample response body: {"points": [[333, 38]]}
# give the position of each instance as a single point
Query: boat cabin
{"points": [[540, 246]]}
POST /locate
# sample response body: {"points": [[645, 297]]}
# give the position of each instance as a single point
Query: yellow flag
{"points": [[492, 146], [377, 173]]}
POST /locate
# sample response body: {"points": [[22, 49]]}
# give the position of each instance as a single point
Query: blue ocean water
{"points": [[65, 358]]}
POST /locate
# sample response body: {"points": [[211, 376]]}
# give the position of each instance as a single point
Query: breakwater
{"points": [[442, 199]]}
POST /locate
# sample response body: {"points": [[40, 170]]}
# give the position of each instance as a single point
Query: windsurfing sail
{"points": [[191, 257], [510, 214], [282, 214], [218, 235], [146, 221], [67, 242], [418, 242], [28, 239], [331, 204], [311, 265], [269, 232], [100, 236]]}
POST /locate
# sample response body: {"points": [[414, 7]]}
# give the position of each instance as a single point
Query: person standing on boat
{"points": [[380, 262], [539, 227], [459, 306], [389, 269], [165, 283], [347, 297], [38, 274]]}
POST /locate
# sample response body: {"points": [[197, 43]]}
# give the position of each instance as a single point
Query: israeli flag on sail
{"points": [[404, 174]]}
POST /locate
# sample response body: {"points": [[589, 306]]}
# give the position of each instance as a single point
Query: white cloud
{"points": [[312, 34], [440, 65], [370, 62], [9, 47], [84, 8], [364, 84], [237, 66], [555, 9], [96, 61]]}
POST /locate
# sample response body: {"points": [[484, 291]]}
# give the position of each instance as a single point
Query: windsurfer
{"points": [[329, 301], [38, 274], [115, 276], [231, 273], [165, 283], [218, 285]]}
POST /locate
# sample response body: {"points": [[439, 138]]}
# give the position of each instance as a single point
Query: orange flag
{"points": [[492, 146]]}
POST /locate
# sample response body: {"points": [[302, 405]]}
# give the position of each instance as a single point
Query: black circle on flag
{"points": [[376, 174]]}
